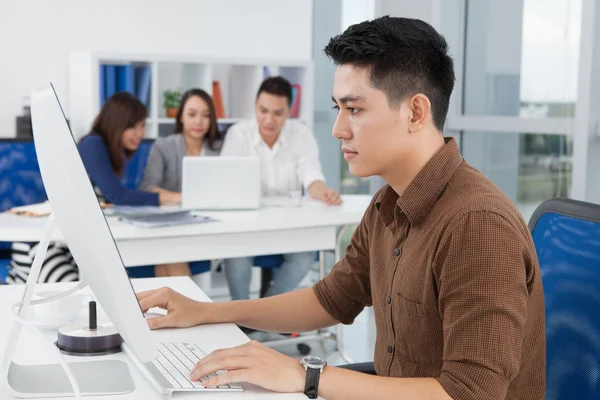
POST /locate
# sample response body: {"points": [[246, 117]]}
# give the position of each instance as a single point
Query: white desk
{"points": [[210, 337], [268, 230]]}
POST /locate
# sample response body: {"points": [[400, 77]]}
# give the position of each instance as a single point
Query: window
{"points": [[521, 57], [529, 168]]}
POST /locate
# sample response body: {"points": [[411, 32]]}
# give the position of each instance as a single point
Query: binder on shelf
{"points": [[110, 80], [102, 84], [218, 99], [125, 78], [296, 92], [143, 78]]}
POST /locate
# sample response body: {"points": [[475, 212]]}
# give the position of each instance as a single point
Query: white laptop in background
{"points": [[220, 183]]}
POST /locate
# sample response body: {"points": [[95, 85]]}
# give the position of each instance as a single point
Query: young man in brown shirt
{"points": [[442, 255]]}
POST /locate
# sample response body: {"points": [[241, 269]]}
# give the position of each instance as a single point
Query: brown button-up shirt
{"points": [[451, 272]]}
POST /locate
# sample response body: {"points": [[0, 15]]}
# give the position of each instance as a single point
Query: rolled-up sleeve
{"points": [[346, 291], [309, 166], [483, 297]]}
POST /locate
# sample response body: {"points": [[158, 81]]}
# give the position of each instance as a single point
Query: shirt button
{"points": [[389, 300], [390, 348], [397, 252]]}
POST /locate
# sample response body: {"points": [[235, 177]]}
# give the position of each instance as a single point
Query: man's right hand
{"points": [[182, 312]]}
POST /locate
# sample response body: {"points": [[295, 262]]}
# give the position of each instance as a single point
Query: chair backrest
{"points": [[566, 234], [20, 178]]}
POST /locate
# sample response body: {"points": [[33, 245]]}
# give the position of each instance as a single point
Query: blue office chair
{"points": [[566, 234], [267, 263], [20, 184]]}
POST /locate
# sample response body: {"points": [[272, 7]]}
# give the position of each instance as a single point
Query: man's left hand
{"points": [[318, 190], [254, 363], [331, 197]]}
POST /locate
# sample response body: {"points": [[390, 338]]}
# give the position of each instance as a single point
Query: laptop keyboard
{"points": [[175, 362]]}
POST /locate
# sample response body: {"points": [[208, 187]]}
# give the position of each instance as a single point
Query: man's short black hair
{"points": [[405, 57], [277, 85]]}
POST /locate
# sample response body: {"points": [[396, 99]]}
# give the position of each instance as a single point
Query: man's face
{"points": [[271, 113], [374, 136]]}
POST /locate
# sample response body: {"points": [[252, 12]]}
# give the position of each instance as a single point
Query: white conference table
{"points": [[31, 351], [276, 227], [273, 229]]}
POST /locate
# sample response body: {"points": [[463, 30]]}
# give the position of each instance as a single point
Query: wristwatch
{"points": [[313, 366]]}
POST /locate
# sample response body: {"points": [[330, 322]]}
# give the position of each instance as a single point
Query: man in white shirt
{"points": [[289, 161]]}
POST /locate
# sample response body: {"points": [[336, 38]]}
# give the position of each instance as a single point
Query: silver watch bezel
{"points": [[309, 364]]}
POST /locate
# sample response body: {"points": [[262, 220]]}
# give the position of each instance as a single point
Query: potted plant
{"points": [[171, 99]]}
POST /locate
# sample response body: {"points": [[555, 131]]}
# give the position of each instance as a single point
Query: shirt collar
{"points": [[257, 139], [423, 192]]}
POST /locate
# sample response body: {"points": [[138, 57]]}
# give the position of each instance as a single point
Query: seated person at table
{"points": [[196, 134], [116, 135], [289, 158]]}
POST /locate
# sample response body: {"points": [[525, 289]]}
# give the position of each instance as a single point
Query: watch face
{"points": [[314, 362]]}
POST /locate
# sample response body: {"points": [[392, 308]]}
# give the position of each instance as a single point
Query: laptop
{"points": [[165, 365], [220, 183]]}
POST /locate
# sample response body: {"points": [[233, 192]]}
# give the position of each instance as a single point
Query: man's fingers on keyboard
{"points": [[240, 375], [242, 350], [222, 363]]}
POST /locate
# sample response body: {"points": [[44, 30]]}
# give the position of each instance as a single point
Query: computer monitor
{"points": [[83, 224]]}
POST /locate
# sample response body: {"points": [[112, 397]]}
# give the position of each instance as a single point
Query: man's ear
{"points": [[420, 112]]}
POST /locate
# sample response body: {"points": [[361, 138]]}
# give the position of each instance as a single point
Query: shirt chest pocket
{"points": [[419, 333]]}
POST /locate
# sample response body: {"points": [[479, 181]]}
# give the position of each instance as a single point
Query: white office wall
{"points": [[36, 36]]}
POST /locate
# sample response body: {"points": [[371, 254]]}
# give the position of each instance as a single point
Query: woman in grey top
{"points": [[196, 134]]}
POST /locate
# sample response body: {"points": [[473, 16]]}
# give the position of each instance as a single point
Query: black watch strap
{"points": [[311, 387]]}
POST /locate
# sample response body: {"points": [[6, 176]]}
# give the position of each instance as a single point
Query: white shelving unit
{"points": [[239, 80]]}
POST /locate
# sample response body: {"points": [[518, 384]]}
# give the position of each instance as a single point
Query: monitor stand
{"points": [[92, 378]]}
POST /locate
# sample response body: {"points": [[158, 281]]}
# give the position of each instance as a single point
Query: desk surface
{"points": [[209, 337], [271, 229], [272, 217]]}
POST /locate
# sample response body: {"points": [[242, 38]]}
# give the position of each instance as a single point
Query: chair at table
{"points": [[20, 184], [566, 234]]}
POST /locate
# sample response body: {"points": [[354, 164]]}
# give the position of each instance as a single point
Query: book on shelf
{"points": [[125, 78], [218, 100], [296, 92], [143, 79], [110, 81]]}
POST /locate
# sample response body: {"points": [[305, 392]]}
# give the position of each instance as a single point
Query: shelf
{"points": [[239, 80]]}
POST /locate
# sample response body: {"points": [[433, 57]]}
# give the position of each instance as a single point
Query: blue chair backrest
{"points": [[20, 179], [566, 234]]}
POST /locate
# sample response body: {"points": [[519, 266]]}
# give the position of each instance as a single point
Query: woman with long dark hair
{"points": [[116, 135]]}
